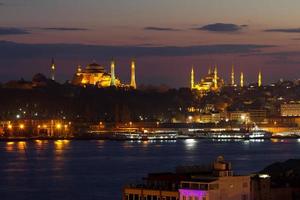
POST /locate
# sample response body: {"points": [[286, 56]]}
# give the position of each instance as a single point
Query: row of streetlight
{"points": [[44, 126]]}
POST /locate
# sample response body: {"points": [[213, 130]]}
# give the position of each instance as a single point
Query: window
{"points": [[194, 185], [136, 197], [130, 196], [245, 184], [185, 185], [214, 186], [203, 186], [244, 197]]}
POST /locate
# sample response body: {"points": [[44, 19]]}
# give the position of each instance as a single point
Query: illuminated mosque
{"points": [[211, 82], [95, 74]]}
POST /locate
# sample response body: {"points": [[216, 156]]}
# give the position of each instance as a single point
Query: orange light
{"points": [[21, 126], [9, 126], [58, 126]]}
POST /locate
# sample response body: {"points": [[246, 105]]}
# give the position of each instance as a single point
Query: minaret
{"points": [[53, 69], [232, 76], [242, 79], [215, 80], [112, 73], [192, 78], [259, 79], [132, 82], [209, 70], [79, 69]]}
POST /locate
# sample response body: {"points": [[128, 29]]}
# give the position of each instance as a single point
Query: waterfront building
{"points": [[290, 109], [210, 118], [209, 182], [211, 82], [222, 184], [258, 115], [239, 116]]}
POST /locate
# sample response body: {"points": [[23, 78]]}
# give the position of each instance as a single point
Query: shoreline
{"points": [[114, 139]]}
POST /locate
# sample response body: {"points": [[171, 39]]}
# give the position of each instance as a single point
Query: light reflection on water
{"points": [[94, 169]]}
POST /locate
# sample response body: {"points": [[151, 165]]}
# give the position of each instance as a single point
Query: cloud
{"points": [[221, 27], [12, 50], [153, 28], [2, 4], [284, 30], [13, 31], [63, 29]]}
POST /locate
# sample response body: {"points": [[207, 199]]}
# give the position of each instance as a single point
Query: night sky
{"points": [[165, 36]]}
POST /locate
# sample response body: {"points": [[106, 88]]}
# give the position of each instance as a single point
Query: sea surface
{"points": [[83, 170]]}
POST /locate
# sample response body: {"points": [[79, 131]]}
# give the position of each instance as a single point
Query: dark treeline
{"points": [[92, 104]]}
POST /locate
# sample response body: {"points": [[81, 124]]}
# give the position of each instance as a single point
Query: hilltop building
{"points": [[95, 74], [211, 82]]}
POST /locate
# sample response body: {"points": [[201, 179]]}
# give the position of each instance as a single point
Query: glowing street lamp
{"points": [[21, 126], [9, 126], [58, 126]]}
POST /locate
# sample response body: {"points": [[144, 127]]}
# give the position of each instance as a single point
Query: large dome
{"points": [[94, 66]]}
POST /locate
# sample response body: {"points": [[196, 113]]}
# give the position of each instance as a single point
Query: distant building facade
{"points": [[290, 109]]}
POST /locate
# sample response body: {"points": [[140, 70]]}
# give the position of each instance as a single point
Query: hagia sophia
{"points": [[95, 74]]}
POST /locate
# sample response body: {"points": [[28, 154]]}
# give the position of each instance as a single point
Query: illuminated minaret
{"points": [[132, 82], [242, 79], [53, 69], [209, 70], [112, 73], [192, 78], [232, 76], [79, 69], [259, 79], [215, 80]]}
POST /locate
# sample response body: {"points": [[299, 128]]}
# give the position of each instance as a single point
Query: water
{"points": [[86, 170]]}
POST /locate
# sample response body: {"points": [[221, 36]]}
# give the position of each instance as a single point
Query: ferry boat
{"points": [[139, 135], [244, 134]]}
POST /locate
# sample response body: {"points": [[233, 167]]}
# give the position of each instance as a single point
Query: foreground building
{"points": [[212, 182]]}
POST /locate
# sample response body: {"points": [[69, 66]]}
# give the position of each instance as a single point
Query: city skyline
{"points": [[166, 44]]}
